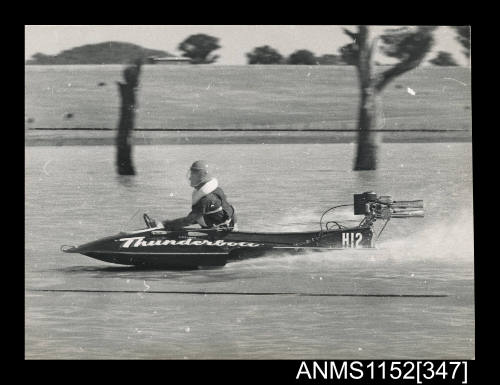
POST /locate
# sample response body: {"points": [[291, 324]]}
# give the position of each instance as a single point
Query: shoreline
{"points": [[96, 138]]}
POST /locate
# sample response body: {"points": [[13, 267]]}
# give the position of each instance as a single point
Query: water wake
{"points": [[448, 242]]}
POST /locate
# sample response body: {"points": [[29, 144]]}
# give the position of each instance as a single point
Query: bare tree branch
{"points": [[352, 35], [416, 47], [395, 71], [463, 37]]}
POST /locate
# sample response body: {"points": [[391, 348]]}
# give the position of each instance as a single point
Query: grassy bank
{"points": [[58, 138]]}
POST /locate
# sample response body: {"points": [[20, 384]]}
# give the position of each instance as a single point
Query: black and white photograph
{"points": [[249, 192]]}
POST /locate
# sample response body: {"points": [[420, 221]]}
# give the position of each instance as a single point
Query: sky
{"points": [[235, 40]]}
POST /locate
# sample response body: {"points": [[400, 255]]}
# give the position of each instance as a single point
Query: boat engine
{"points": [[375, 207], [383, 207]]}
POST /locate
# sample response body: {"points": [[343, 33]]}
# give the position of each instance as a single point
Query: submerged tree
{"points": [[127, 115], [409, 46]]}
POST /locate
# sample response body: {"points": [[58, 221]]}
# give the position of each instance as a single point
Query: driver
{"points": [[209, 207]]}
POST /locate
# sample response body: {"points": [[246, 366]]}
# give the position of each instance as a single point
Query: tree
{"points": [[463, 37], [349, 54], [199, 48], [302, 56], [409, 46], [329, 59], [444, 59], [264, 55], [127, 116]]}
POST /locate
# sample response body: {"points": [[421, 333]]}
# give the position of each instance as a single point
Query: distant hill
{"points": [[111, 52]]}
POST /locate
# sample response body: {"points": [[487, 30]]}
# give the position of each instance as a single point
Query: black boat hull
{"points": [[193, 248]]}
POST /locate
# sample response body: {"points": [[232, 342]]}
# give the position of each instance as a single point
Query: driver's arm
{"points": [[179, 223]]}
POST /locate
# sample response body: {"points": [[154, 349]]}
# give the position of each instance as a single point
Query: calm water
{"points": [[73, 196]]}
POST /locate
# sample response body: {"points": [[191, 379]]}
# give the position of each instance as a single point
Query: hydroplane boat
{"points": [[191, 248]]}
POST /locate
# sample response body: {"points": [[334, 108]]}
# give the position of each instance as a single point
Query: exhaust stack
{"points": [[384, 207], [405, 209]]}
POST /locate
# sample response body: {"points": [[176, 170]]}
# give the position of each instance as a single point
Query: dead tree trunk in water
{"points": [[368, 138], [127, 116], [410, 48], [369, 107]]}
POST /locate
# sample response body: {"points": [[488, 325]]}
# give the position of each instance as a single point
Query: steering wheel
{"points": [[149, 222]]}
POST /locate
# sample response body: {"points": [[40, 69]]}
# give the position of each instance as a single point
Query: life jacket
{"points": [[221, 216]]}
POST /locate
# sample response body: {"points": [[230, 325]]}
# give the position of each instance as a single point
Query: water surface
{"points": [[73, 196]]}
